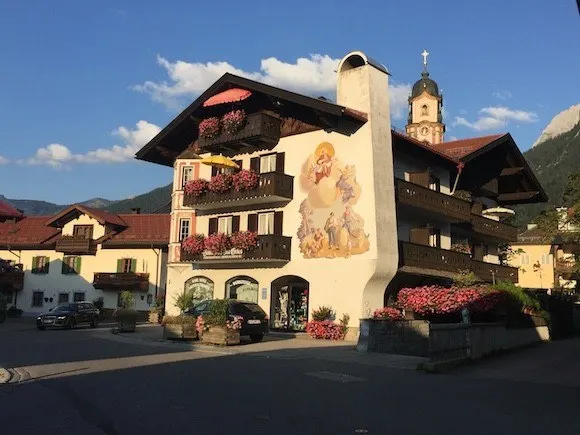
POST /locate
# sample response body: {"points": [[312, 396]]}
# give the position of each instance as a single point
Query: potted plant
{"points": [[181, 327], [234, 121], [125, 315], [244, 240], [245, 179], [209, 128], [217, 243], [157, 310], [218, 326], [196, 187], [193, 244], [220, 183]]}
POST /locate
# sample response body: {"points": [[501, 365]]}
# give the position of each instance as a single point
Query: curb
{"points": [[442, 366]]}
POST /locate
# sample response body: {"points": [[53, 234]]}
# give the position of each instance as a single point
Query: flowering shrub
{"points": [[233, 121], [388, 313], [221, 183], [464, 248], [245, 180], [438, 300], [217, 243], [200, 325], [235, 323], [325, 330], [194, 244], [244, 240], [209, 127], [196, 187]]}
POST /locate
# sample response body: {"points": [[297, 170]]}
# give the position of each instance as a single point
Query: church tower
{"points": [[425, 121]]}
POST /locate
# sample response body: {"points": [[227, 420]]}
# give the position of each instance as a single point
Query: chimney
{"points": [[136, 210]]}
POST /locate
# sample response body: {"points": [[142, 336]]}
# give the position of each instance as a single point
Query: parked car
{"points": [[69, 315], [255, 320]]}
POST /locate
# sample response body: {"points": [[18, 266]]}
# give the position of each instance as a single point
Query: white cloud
{"points": [[494, 118], [315, 75], [60, 156], [502, 95], [4, 160]]}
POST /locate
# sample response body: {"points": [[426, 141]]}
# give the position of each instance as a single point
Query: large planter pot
{"points": [[126, 320], [153, 317], [179, 332], [126, 325], [220, 335]]}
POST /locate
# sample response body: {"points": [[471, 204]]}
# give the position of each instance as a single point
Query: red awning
{"points": [[229, 96]]}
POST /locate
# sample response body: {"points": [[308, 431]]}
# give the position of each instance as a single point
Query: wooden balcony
{"points": [[493, 229], [433, 261], [12, 279], [567, 268], [71, 245], [121, 281], [274, 190], [261, 131], [432, 201], [272, 251]]}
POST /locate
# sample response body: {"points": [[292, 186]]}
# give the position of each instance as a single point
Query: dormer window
{"points": [[83, 231]]}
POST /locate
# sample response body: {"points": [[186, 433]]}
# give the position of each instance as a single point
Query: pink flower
{"points": [[234, 121], [209, 128], [193, 244], [196, 187], [217, 243], [221, 183], [245, 180], [388, 313], [325, 330], [244, 240]]}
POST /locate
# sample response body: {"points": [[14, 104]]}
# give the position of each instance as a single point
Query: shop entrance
{"points": [[289, 305]]}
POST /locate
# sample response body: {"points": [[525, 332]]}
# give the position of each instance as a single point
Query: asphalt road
{"points": [[88, 382]]}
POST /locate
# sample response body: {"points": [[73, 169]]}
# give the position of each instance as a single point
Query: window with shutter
{"points": [[267, 163], [127, 265], [133, 265], [69, 265], [235, 224], [278, 223], [280, 162], [225, 225], [213, 226], [40, 265], [34, 268], [255, 164], [266, 223], [120, 265]]}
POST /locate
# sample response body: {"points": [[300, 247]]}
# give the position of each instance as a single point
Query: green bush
{"points": [[517, 297], [127, 300], [218, 313], [323, 313], [184, 300], [179, 320], [465, 278]]}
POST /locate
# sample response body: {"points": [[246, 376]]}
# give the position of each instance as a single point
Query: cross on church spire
{"points": [[425, 54]]}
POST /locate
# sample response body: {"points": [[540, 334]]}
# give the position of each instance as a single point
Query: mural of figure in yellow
{"points": [[330, 227]]}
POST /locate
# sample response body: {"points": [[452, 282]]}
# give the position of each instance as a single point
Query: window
{"points": [[63, 298], [201, 288], [78, 297], [184, 228], [40, 265], [266, 223], [187, 175], [37, 298], [83, 231], [424, 110], [225, 225], [126, 265], [71, 265], [268, 163], [545, 259], [434, 183], [435, 238], [242, 288], [525, 258]]}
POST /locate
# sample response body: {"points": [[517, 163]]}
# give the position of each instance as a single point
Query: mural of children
{"points": [[331, 227]]}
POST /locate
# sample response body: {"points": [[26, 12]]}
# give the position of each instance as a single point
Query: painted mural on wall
{"points": [[330, 226]]}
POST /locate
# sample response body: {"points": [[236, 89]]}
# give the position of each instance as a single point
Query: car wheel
{"points": [[256, 338], [72, 323], [41, 328]]}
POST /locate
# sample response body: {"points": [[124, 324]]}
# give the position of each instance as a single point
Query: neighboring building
{"points": [[347, 211], [81, 254]]}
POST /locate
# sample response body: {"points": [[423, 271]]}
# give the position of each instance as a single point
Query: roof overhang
{"points": [[290, 106], [72, 212]]}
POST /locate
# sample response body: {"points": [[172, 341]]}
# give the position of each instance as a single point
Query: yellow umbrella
{"points": [[220, 162]]}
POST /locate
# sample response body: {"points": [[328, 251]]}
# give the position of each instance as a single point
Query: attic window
{"points": [[354, 61]]}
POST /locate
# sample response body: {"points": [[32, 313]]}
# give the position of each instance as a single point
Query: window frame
{"points": [[184, 179], [82, 231], [75, 300], [230, 228], [34, 294], [67, 298], [272, 159], [181, 227], [271, 225]]}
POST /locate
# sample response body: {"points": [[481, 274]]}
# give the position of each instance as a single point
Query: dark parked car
{"points": [[69, 315], [255, 320]]}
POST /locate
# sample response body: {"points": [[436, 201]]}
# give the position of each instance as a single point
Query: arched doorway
{"points": [[289, 305], [243, 288], [201, 286]]}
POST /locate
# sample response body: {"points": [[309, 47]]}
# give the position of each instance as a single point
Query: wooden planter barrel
{"points": [[221, 336], [175, 331]]}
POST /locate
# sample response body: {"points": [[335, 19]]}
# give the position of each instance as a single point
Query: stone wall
{"points": [[405, 338]]}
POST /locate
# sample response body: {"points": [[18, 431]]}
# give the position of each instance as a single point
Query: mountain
{"points": [[562, 123], [32, 207], [148, 202], [554, 156]]}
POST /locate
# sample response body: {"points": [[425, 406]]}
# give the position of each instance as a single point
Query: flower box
{"points": [[260, 129], [174, 331], [221, 336]]}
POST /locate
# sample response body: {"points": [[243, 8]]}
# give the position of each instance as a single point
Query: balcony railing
{"points": [[492, 228], [260, 131], [12, 279], [121, 281], [71, 245], [274, 189], [432, 201], [272, 251], [568, 268], [427, 257]]}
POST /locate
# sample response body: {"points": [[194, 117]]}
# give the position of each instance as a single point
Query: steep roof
{"points": [[8, 211], [70, 213], [27, 231]]}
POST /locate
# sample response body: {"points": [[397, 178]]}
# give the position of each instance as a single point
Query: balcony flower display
{"points": [[196, 187], [244, 240], [388, 313], [438, 300], [221, 183], [217, 243], [245, 180], [194, 244], [232, 122], [462, 247], [209, 128]]}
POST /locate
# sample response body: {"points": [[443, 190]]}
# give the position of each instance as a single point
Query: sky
{"points": [[84, 85]]}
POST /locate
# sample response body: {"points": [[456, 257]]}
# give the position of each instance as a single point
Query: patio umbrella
{"points": [[220, 161], [499, 212]]}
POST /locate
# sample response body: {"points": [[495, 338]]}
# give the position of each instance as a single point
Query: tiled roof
{"points": [[435, 149], [458, 149], [101, 216], [153, 228], [7, 210], [29, 230]]}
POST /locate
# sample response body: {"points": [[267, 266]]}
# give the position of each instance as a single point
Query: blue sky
{"points": [[85, 84]]}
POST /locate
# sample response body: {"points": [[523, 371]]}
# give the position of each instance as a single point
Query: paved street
{"points": [[93, 382]]}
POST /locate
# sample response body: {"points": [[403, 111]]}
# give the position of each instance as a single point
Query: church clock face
{"points": [[424, 131]]}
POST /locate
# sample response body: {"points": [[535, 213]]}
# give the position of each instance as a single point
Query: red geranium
{"points": [[245, 180], [196, 187], [325, 329], [221, 183], [244, 240], [193, 244], [439, 300], [217, 243], [209, 127], [388, 313], [234, 121]]}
